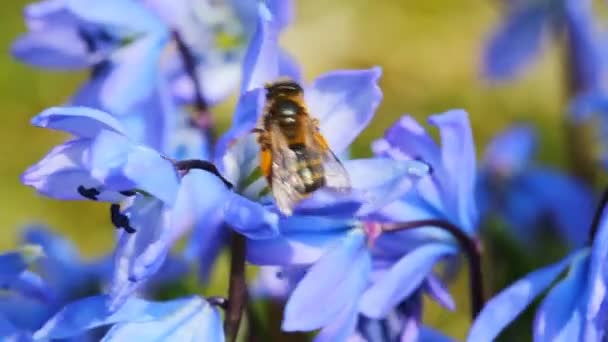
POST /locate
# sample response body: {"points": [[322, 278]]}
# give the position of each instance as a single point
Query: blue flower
{"points": [[191, 319], [357, 268], [527, 195], [104, 164], [522, 35], [575, 308]]}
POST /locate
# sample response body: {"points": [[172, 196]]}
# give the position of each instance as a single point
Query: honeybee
{"points": [[294, 157]]}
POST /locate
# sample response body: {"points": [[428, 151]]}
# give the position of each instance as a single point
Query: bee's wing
{"points": [[285, 184], [335, 174]]}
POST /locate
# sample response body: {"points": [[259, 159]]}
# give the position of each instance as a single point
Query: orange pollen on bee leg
{"points": [[373, 230]]}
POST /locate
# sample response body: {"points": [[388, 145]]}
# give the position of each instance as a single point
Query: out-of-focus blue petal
{"points": [[29, 285], [118, 14], [341, 328], [250, 218], [511, 151], [331, 203], [289, 67], [402, 279], [566, 201], [559, 317], [383, 180], [131, 266], [584, 45], [282, 11], [9, 332], [195, 321], [14, 263], [80, 121], [344, 102], [53, 48], [459, 161], [134, 73], [596, 311], [437, 290], [217, 82], [261, 63], [121, 165], [336, 280], [508, 304], [516, 42], [63, 170], [91, 312], [589, 103], [246, 114], [269, 284], [292, 249]]}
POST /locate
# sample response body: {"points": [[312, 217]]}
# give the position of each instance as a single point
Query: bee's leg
{"points": [[265, 152]]}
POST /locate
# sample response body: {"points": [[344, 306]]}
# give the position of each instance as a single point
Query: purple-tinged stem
{"points": [[597, 217], [472, 252], [237, 288], [203, 118]]}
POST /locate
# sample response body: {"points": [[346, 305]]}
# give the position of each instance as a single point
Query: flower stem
{"points": [[472, 252], [203, 116], [237, 288], [597, 217]]}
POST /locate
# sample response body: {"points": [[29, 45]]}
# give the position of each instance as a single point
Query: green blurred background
{"points": [[429, 51]]}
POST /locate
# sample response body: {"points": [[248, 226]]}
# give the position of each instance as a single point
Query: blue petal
{"points": [[586, 104], [261, 63], [516, 42], [131, 265], [584, 45], [289, 67], [291, 249], [134, 74], [511, 151], [195, 321], [53, 48], [508, 304], [402, 279], [559, 317], [63, 170], [344, 102], [341, 328], [208, 239], [80, 121], [250, 218], [121, 165], [119, 14], [248, 110], [9, 332], [12, 264], [29, 285], [459, 161], [383, 180], [597, 287], [91, 312], [336, 280], [437, 290]]}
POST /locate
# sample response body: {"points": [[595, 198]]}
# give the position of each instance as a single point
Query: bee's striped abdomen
{"points": [[309, 168]]}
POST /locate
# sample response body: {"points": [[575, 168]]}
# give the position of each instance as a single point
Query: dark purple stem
{"points": [[203, 115], [597, 217], [472, 252], [237, 289]]}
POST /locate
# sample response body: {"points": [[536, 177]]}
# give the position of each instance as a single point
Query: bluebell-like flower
{"points": [[162, 204], [15, 276], [184, 319], [523, 34], [526, 195], [575, 308], [355, 267]]}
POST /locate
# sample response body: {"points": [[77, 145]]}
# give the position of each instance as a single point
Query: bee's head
{"points": [[282, 88]]}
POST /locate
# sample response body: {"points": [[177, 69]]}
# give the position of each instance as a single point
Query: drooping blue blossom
{"points": [[574, 309], [524, 32], [355, 267], [528, 196], [108, 165], [183, 319]]}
